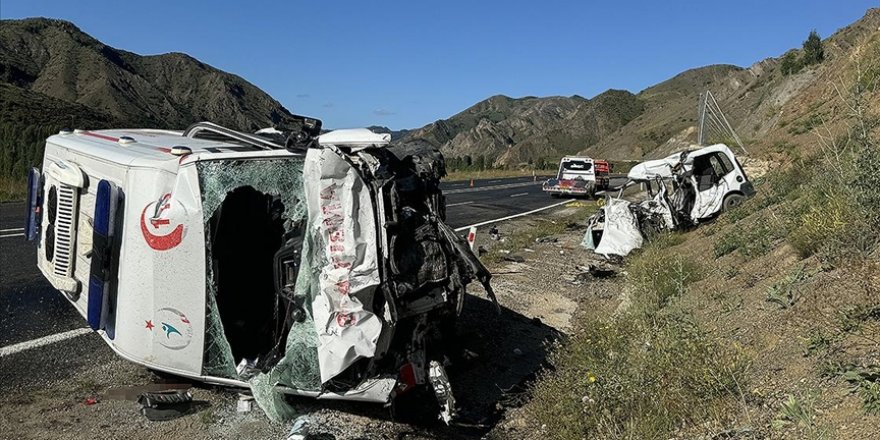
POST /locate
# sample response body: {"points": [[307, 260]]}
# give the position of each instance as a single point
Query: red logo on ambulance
{"points": [[157, 229]]}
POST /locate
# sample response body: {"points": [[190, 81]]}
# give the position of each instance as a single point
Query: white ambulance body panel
{"points": [[162, 253]]}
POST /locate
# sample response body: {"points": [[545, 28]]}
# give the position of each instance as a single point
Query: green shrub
{"points": [[657, 275], [750, 240]]}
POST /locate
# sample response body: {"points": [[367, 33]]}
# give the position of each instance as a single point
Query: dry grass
{"points": [[647, 372]]}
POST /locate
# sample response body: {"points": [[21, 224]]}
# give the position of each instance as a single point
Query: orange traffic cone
{"points": [[472, 183]]}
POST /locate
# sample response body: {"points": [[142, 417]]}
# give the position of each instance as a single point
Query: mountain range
{"points": [[765, 106], [53, 75]]}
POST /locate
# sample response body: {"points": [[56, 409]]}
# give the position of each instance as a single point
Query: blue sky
{"points": [[404, 64]]}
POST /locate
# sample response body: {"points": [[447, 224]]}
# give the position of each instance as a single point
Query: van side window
{"points": [[704, 172], [718, 166], [725, 162]]}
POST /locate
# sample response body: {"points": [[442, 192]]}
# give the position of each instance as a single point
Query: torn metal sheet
{"points": [[621, 232], [341, 217]]}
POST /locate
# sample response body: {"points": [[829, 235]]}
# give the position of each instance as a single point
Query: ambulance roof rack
{"points": [[249, 139], [304, 135]]}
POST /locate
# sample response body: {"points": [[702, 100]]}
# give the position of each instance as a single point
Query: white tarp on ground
{"points": [[621, 233], [341, 215]]}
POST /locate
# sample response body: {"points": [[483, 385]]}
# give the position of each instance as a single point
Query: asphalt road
{"points": [[32, 309]]}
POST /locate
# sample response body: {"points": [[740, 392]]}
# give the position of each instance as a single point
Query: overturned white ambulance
{"points": [[317, 266]]}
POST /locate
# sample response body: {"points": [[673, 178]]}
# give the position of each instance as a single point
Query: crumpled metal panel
{"points": [[341, 217], [621, 234]]}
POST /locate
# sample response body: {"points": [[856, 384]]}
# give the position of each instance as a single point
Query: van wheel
{"points": [[732, 201]]}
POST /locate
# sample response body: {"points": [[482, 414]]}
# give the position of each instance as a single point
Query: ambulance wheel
{"points": [[732, 201]]}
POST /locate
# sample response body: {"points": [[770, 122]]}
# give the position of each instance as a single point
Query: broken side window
{"points": [[253, 212]]}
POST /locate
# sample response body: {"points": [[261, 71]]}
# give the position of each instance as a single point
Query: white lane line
{"points": [[459, 204], [45, 340], [490, 187], [11, 230], [465, 228], [519, 195], [12, 235]]}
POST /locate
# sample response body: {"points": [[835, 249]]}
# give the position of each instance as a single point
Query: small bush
{"points": [[866, 382], [658, 276], [790, 63], [785, 292], [751, 240]]}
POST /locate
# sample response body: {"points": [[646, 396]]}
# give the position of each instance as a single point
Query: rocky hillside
{"points": [[53, 58], [764, 106], [510, 131], [53, 75]]}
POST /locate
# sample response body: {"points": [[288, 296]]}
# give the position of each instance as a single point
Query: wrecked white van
{"points": [[317, 266], [703, 183]]}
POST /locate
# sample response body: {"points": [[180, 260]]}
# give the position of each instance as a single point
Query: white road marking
{"points": [[519, 195], [490, 187], [459, 204], [45, 340], [21, 234], [464, 228], [11, 230]]}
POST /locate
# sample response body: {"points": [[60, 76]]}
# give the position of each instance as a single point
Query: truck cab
{"points": [[578, 176]]}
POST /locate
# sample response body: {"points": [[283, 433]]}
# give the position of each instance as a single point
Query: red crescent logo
{"points": [[160, 242]]}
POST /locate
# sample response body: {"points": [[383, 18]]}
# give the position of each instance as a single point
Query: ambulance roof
{"points": [[152, 147]]}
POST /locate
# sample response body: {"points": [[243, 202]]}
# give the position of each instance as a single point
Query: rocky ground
{"points": [[539, 286]]}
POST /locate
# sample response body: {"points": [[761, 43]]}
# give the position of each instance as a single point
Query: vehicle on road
{"points": [[310, 265], [702, 183], [579, 176]]}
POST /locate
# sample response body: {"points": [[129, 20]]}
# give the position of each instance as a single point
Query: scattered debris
{"points": [[168, 405], [494, 234], [91, 400], [603, 271], [548, 239], [300, 428], [443, 390], [133, 392], [245, 403], [515, 259]]}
